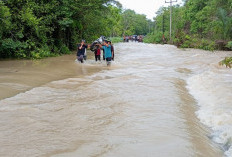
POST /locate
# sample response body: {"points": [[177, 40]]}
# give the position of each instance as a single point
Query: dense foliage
{"points": [[41, 28], [199, 24], [37, 29]]}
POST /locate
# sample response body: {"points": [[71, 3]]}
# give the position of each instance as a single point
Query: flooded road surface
{"points": [[154, 101], [18, 76]]}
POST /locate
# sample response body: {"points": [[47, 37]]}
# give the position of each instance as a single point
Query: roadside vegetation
{"points": [[197, 24], [38, 29], [116, 39]]}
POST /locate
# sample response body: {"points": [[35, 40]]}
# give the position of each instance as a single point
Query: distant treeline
{"points": [[41, 28], [204, 24]]}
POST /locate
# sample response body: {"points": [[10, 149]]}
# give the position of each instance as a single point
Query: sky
{"points": [[147, 7]]}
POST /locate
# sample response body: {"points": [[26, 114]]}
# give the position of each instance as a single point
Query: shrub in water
{"points": [[227, 62]]}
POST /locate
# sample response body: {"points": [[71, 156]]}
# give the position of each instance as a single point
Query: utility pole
{"points": [[170, 1]]}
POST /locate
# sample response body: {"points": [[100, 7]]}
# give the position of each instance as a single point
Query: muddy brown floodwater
{"points": [[154, 101]]}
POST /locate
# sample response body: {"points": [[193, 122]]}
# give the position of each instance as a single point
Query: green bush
{"points": [[187, 44], [43, 52], [156, 37], [183, 40], [227, 62], [149, 39], [206, 45], [229, 45], [64, 50], [186, 41], [116, 39], [10, 48]]}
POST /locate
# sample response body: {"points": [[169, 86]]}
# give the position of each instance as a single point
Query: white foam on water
{"points": [[213, 92]]}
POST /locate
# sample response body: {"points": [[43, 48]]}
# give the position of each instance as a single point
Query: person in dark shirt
{"points": [[103, 54], [81, 48], [112, 50]]}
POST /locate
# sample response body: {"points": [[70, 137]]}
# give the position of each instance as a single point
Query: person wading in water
{"points": [[97, 53], [112, 50], [81, 48], [107, 49]]}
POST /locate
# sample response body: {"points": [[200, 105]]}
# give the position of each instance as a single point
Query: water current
{"points": [[153, 101]]}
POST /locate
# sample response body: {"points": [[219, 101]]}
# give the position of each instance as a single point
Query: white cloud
{"points": [[147, 7]]}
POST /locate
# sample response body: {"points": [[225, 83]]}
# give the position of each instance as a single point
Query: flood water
{"points": [[154, 101]]}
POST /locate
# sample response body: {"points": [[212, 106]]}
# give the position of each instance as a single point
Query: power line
{"points": [[170, 1]]}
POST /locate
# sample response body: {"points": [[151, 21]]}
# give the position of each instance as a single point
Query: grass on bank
{"points": [[116, 39], [183, 40]]}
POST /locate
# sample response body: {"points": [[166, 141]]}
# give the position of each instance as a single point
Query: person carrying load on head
{"points": [[107, 49]]}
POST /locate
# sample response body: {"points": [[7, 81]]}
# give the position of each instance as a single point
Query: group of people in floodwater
{"points": [[138, 38], [106, 47]]}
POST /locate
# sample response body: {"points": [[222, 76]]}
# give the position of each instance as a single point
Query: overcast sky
{"points": [[147, 7]]}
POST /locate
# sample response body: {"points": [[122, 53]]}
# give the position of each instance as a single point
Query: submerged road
{"points": [[154, 101]]}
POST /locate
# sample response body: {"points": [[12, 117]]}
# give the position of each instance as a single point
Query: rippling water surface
{"points": [[153, 101]]}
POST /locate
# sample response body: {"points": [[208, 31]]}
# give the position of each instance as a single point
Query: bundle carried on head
{"points": [[100, 40]]}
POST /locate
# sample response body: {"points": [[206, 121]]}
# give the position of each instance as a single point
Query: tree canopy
{"points": [[197, 23], [41, 28]]}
